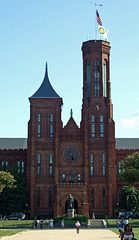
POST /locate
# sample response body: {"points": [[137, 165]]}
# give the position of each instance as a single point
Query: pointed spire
{"points": [[71, 112], [45, 90]]}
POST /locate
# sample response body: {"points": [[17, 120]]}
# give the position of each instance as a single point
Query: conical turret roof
{"points": [[45, 90]]}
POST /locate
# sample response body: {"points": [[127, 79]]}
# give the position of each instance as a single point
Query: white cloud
{"points": [[132, 123]]}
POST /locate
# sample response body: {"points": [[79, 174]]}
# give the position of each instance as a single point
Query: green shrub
{"points": [[71, 221]]}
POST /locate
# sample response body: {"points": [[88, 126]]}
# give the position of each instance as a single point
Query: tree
{"points": [[14, 200], [129, 199], [130, 166], [6, 180], [129, 196]]}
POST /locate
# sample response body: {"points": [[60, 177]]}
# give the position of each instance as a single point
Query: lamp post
{"points": [[26, 210]]}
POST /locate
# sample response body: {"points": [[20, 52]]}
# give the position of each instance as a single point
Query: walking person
{"points": [[77, 226], [127, 234], [126, 221], [35, 223], [122, 223], [41, 223], [62, 223], [51, 223], [117, 223]]}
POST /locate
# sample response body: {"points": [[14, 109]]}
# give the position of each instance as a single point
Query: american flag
{"points": [[98, 18]]}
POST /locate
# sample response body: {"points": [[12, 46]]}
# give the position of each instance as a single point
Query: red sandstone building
{"points": [[83, 161]]}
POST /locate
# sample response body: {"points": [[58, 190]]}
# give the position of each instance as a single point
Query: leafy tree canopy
{"points": [[130, 172], [15, 199], [6, 180], [129, 199]]}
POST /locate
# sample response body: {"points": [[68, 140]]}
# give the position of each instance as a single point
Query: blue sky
{"points": [[33, 32]]}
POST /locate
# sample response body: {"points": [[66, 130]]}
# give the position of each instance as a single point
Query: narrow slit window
{"points": [[93, 127], [39, 164], [50, 164], [101, 126], [96, 78], [39, 130], [88, 79]]}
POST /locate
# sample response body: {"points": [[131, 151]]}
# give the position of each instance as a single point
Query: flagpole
{"points": [[95, 22], [100, 5]]}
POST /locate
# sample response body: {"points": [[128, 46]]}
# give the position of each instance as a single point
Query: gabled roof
{"points": [[45, 90], [127, 143], [21, 143], [13, 143], [71, 127]]}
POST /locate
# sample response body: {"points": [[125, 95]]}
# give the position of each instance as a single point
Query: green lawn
{"points": [[7, 232], [10, 224], [9, 227], [135, 230], [111, 223]]}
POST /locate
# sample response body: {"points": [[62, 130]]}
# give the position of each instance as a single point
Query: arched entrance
{"points": [[75, 206]]}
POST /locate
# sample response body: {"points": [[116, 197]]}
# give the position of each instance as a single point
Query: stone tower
{"points": [[98, 126], [43, 134]]}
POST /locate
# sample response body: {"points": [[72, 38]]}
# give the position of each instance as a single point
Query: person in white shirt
{"points": [[126, 221], [127, 234], [77, 226]]}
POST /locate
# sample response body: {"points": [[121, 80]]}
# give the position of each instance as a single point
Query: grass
{"points": [[13, 224], [11, 227], [6, 232], [135, 230], [111, 223]]}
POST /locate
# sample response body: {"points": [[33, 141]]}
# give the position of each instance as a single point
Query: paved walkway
{"points": [[64, 234]]}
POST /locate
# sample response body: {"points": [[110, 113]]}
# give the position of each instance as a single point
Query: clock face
{"points": [[71, 154]]}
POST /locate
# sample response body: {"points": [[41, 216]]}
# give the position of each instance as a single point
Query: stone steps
{"points": [[96, 223]]}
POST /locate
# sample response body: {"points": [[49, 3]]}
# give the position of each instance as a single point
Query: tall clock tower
{"points": [[98, 127]]}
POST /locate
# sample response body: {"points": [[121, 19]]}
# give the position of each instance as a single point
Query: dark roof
{"points": [[21, 143], [127, 143], [13, 143], [45, 90]]}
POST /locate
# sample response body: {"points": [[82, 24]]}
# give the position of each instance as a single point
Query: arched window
{"points": [[119, 167], [39, 125], [103, 165], [101, 126], [39, 131], [93, 130], [50, 164], [20, 166], [91, 158], [105, 78], [51, 117], [79, 177], [39, 164], [63, 178], [88, 79], [96, 78], [71, 177], [4, 166], [39, 117], [92, 164]]}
